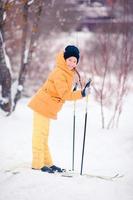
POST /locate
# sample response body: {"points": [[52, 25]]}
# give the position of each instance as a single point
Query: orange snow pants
{"points": [[40, 150]]}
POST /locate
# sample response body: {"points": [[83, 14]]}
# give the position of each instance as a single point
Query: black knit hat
{"points": [[71, 50]]}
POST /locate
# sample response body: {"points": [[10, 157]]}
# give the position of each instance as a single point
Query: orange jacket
{"points": [[50, 97]]}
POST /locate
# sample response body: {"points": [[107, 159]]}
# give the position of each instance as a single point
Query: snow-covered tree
{"points": [[5, 69]]}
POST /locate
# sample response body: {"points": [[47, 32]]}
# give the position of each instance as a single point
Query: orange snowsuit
{"points": [[46, 103]]}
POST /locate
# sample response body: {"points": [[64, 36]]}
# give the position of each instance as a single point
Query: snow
{"points": [[96, 10], [106, 152], [26, 56], [30, 2], [4, 16]]}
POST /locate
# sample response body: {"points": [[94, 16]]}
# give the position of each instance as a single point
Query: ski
{"points": [[71, 174], [105, 177]]}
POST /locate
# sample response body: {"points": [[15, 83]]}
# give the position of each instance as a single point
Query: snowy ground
{"points": [[106, 152]]}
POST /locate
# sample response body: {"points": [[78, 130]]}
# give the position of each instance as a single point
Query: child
{"points": [[48, 101]]}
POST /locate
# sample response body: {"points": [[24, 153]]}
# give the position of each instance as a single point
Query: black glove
{"points": [[75, 87], [86, 89]]}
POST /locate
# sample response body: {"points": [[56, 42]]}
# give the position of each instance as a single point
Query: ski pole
{"points": [[85, 125], [73, 146]]}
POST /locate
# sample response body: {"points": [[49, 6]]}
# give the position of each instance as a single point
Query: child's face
{"points": [[71, 62]]}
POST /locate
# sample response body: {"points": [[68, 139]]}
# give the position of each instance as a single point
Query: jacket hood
{"points": [[61, 63]]}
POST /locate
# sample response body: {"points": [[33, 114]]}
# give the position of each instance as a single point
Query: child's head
{"points": [[71, 56]]}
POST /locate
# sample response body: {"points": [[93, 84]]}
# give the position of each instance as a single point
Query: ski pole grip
{"points": [[84, 92]]}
